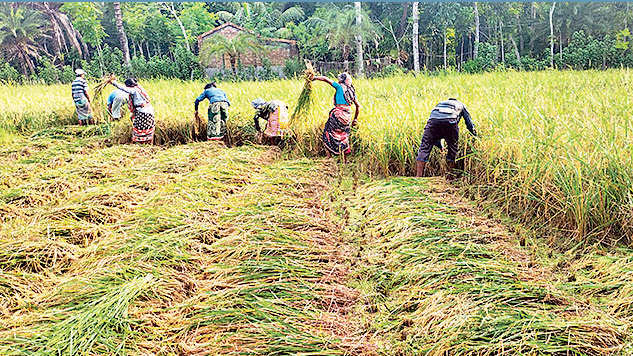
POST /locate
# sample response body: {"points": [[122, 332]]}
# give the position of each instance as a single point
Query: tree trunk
{"points": [[503, 50], [73, 36], [520, 33], [416, 35], [58, 35], [560, 48], [461, 56], [551, 34], [233, 61], [476, 44], [516, 51], [359, 41], [445, 39], [403, 19], [171, 8], [122, 37]]}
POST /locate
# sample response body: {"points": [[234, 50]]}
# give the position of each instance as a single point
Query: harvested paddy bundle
{"points": [[99, 107], [198, 124], [305, 98]]}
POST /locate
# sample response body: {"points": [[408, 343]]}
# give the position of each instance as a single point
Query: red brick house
{"points": [[278, 50]]}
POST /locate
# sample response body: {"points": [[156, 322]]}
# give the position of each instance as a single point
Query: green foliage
{"points": [[183, 66], [109, 60], [196, 19], [9, 75], [587, 52], [48, 73], [19, 30], [485, 61], [293, 67], [86, 18]]}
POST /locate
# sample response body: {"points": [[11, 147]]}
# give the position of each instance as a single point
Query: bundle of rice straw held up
{"points": [[98, 95], [305, 98]]}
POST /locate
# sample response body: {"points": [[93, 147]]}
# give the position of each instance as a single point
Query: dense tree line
{"points": [[46, 41]]}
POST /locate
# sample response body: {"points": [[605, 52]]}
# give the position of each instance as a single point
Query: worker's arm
{"points": [[199, 99], [256, 120], [469, 122], [324, 79], [227, 99], [357, 104], [122, 87], [86, 92]]}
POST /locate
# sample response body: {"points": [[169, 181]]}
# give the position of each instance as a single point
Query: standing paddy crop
{"points": [[552, 145]]}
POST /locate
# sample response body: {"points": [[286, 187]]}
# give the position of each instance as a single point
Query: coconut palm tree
{"points": [[121, 32], [19, 29], [232, 48]]}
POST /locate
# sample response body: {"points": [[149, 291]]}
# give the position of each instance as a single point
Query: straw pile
{"points": [[199, 249]]}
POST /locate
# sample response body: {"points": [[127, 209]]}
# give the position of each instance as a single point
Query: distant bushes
{"points": [[8, 74], [583, 52]]}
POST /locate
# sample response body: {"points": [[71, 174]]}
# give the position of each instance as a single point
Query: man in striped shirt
{"points": [[81, 98]]}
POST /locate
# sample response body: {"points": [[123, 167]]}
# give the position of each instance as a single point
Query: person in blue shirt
{"points": [[218, 111], [115, 102], [443, 124], [338, 126]]}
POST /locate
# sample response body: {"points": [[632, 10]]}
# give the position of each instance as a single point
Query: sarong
{"points": [[143, 127], [337, 129], [216, 126], [83, 109]]}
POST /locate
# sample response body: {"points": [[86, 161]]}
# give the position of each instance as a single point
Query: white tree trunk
{"points": [[551, 34], [503, 50], [359, 41], [516, 51], [416, 30], [170, 7], [476, 44]]}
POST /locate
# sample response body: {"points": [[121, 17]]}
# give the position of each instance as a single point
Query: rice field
{"points": [[200, 249], [192, 248], [555, 145]]}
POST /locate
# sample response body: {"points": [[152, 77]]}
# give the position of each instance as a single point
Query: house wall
{"points": [[277, 53]]}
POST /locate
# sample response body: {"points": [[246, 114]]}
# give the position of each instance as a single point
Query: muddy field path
{"points": [[203, 250]]}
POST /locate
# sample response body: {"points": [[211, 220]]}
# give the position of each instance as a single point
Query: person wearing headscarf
{"points": [[275, 112], [339, 123], [218, 111], [81, 98], [143, 117]]}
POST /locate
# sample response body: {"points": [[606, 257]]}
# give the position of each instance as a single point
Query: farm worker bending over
{"points": [[81, 98], [275, 112], [143, 122], [443, 124], [115, 101], [339, 123], [218, 111]]}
